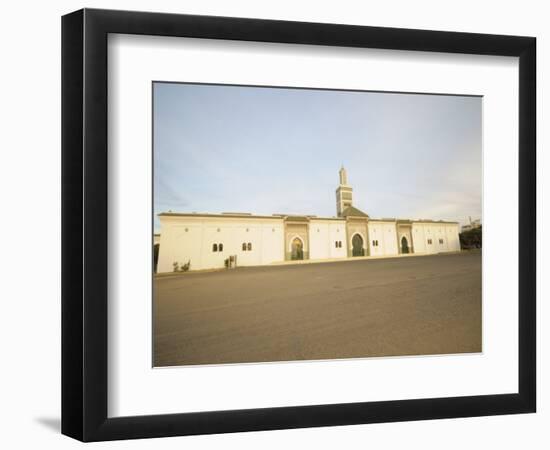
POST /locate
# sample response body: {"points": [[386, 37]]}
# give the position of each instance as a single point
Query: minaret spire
{"points": [[344, 193], [343, 176]]}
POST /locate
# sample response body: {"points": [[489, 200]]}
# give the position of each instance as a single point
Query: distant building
{"points": [[207, 240], [472, 225]]}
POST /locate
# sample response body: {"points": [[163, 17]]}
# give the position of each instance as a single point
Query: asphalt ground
{"points": [[420, 305]]}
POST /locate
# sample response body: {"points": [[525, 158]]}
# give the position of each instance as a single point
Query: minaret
{"points": [[344, 193]]}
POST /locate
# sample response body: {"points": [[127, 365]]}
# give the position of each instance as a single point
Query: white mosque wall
{"points": [[273, 242], [419, 238], [441, 243], [337, 233], [435, 237], [427, 242], [319, 240], [376, 239], [452, 231], [192, 238], [197, 240], [323, 236], [382, 238]]}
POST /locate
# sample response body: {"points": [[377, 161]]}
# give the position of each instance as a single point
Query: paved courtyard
{"points": [[379, 307]]}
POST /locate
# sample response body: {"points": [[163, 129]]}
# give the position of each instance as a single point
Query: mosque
{"points": [[208, 241]]}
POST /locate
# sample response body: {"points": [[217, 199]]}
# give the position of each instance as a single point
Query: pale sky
{"points": [[276, 150]]}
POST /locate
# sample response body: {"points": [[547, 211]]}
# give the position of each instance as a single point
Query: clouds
{"points": [[266, 150]]}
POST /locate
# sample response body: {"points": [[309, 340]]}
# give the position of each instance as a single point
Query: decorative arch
{"points": [[360, 234], [291, 240], [296, 245], [404, 244], [357, 244]]}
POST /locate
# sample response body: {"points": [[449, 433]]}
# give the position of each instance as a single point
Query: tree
{"points": [[471, 238]]}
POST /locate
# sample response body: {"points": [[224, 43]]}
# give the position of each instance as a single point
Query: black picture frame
{"points": [[84, 224]]}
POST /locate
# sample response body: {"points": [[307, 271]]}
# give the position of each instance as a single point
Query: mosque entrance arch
{"points": [[297, 249], [357, 245], [404, 245]]}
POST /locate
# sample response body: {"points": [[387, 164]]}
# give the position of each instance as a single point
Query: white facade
{"points": [[207, 241], [383, 238], [435, 237], [327, 239]]}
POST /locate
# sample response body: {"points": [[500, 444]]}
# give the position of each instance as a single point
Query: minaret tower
{"points": [[344, 193]]}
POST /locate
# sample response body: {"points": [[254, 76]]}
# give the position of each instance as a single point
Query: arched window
{"points": [[214, 247], [249, 246], [336, 244], [220, 247], [244, 247]]}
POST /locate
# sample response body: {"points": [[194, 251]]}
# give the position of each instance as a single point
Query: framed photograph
{"points": [[272, 224]]}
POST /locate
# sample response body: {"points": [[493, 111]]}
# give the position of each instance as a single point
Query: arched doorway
{"points": [[297, 249], [404, 245], [357, 244]]}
